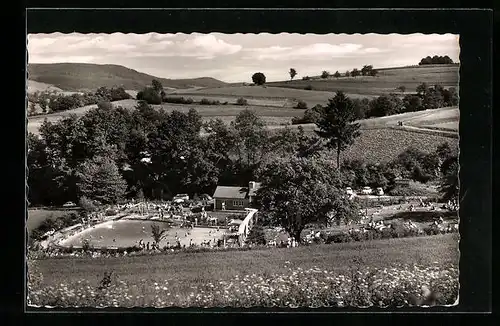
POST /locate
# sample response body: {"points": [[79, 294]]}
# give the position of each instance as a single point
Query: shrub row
{"points": [[54, 224], [383, 234], [178, 100]]}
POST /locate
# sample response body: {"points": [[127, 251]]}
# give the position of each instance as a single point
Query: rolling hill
{"points": [[385, 82], [84, 76]]}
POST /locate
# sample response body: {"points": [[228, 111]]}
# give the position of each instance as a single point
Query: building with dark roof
{"points": [[235, 198]]}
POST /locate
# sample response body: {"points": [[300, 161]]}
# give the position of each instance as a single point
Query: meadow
{"points": [[289, 275]]}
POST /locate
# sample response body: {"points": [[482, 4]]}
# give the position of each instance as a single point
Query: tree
{"points": [[436, 60], [297, 191], [361, 108], [422, 89], [150, 95], [292, 73], [157, 86], [450, 97], [385, 105], [250, 136], [366, 70], [449, 188], [355, 72], [412, 103], [433, 98], [99, 179], [336, 124], [373, 72], [259, 78], [401, 88], [336, 74], [347, 73], [157, 234], [325, 74], [257, 235]]}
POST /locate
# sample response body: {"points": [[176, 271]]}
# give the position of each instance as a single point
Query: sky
{"points": [[236, 57]]}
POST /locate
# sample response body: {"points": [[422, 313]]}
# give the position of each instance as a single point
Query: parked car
{"points": [[366, 191], [380, 191], [180, 198], [69, 204]]}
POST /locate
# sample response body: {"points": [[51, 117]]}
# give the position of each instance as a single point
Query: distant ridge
{"points": [[87, 76]]}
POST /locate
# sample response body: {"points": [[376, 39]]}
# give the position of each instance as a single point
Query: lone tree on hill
{"points": [[259, 78], [297, 191], [337, 124], [292, 73], [365, 71], [99, 179], [336, 74], [325, 74]]}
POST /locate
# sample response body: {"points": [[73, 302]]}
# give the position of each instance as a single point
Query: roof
{"points": [[231, 192], [254, 190]]}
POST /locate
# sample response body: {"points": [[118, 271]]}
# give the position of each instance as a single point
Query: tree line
{"points": [[50, 102], [112, 153], [436, 60], [426, 98]]}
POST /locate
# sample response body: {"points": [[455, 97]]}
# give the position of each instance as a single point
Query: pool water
{"points": [[125, 233]]}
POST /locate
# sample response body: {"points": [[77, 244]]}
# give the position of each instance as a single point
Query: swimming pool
{"points": [[126, 233]]}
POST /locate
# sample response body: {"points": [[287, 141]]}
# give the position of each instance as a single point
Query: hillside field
{"points": [[274, 95], [385, 82]]}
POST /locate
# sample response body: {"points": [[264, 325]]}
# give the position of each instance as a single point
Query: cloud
{"points": [[316, 51], [44, 47], [235, 57]]}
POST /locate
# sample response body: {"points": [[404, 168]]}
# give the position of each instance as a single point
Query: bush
{"points": [[308, 88], [257, 235], [306, 78], [205, 101], [241, 101], [301, 105], [178, 100]]}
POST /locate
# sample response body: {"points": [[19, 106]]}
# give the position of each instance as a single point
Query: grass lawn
{"points": [[186, 269]]}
